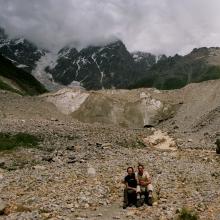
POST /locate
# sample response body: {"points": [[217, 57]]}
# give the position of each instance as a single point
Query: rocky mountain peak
{"points": [[20, 51]]}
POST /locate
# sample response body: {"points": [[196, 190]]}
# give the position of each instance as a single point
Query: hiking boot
{"points": [[150, 198], [125, 206], [150, 201]]}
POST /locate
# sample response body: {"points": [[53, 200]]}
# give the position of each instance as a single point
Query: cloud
{"points": [[161, 26]]}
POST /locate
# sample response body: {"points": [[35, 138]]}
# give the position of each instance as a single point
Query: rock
{"points": [[2, 163], [130, 214], [217, 146], [48, 158], [2, 207], [99, 145], [71, 148], [39, 167], [116, 217], [54, 119], [72, 161], [107, 145], [57, 160], [91, 171], [72, 157]]}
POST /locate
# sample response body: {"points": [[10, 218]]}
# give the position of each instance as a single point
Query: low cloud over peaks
{"points": [[162, 26]]}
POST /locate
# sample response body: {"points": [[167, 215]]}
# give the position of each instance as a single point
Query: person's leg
{"points": [[133, 198], [149, 198], [131, 195], [141, 197], [125, 202]]}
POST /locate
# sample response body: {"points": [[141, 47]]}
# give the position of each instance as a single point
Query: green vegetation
{"points": [[28, 84], [11, 141], [5, 86], [186, 214], [178, 71]]}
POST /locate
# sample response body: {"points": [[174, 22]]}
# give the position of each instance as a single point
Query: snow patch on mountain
{"points": [[40, 74], [21, 66], [101, 72], [19, 41]]}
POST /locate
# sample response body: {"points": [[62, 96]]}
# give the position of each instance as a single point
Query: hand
{"points": [[142, 183]]}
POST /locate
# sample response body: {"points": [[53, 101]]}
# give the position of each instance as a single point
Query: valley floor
{"points": [[76, 171], [35, 188]]}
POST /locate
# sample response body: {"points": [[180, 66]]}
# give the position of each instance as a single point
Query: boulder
{"points": [[2, 207], [217, 146], [91, 171], [2, 163]]}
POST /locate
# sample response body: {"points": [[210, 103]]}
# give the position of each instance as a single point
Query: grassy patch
{"points": [[132, 142], [5, 86], [186, 214], [28, 84], [10, 141]]}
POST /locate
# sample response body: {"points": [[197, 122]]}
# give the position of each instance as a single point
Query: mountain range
{"points": [[110, 66]]}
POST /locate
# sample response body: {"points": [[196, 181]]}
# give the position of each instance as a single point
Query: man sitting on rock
{"points": [[144, 188], [130, 195]]}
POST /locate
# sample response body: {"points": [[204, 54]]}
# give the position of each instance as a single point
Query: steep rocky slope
{"points": [[108, 66], [22, 52], [175, 72], [17, 80]]}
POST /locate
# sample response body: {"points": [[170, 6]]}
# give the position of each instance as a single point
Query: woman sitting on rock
{"points": [[130, 195]]}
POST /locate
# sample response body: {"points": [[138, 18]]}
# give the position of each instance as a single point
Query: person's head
{"points": [[140, 168], [130, 170]]}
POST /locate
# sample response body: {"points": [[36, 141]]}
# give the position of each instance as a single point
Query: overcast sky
{"points": [[157, 26]]}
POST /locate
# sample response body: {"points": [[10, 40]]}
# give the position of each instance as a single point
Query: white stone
{"points": [[91, 171]]}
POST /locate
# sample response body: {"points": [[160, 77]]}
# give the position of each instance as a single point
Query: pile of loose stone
{"points": [[77, 170]]}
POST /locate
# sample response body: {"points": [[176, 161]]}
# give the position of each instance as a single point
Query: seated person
{"points": [[144, 188], [130, 196]]}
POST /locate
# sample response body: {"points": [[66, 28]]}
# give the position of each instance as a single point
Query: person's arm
{"points": [[128, 187], [147, 180]]}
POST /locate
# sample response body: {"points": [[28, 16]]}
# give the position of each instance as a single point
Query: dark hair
{"points": [[141, 165], [130, 168]]}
